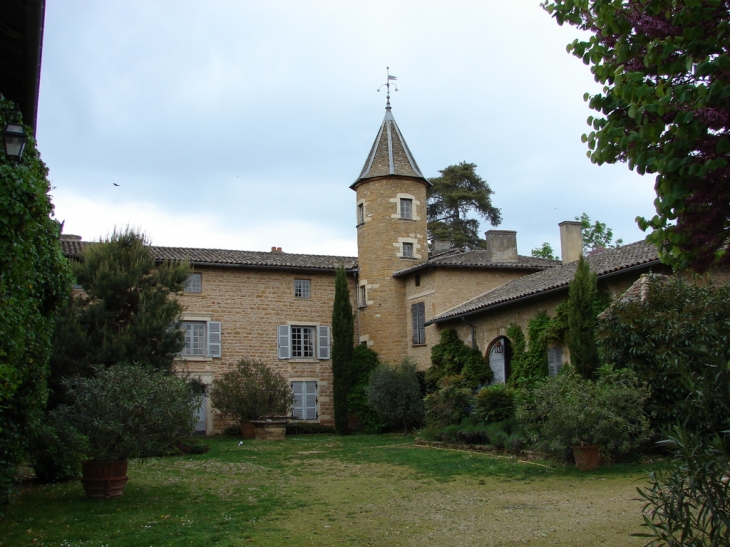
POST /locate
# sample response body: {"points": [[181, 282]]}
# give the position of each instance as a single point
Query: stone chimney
{"points": [[571, 241], [440, 245], [501, 245]]}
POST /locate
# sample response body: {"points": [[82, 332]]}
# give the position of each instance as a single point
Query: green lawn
{"points": [[329, 490]]}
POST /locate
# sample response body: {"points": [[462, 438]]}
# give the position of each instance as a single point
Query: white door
{"points": [[496, 362], [200, 425]]}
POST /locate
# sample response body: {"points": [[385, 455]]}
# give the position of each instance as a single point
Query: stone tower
{"points": [[391, 236]]}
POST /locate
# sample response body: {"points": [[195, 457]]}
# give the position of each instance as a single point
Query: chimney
{"points": [[441, 245], [273, 249], [501, 245], [571, 241], [70, 237]]}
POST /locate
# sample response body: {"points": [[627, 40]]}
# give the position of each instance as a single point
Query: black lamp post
{"points": [[15, 139]]}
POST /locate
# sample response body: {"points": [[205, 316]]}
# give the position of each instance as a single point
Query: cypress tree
{"points": [[343, 333], [581, 337]]}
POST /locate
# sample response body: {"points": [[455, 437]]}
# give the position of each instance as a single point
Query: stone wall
{"points": [[250, 304]]}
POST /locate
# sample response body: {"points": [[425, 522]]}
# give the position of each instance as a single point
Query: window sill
{"points": [[419, 345], [193, 358], [358, 225], [408, 257], [192, 294], [363, 307], [305, 360]]}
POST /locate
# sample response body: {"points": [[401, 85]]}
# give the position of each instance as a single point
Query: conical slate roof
{"points": [[390, 154]]}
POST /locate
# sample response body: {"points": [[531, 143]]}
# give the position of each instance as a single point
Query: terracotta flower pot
{"points": [[104, 480], [248, 430], [586, 457]]}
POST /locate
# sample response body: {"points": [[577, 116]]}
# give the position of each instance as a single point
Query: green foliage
{"points": [[395, 394], [343, 332], [364, 362], [494, 403], [557, 328], [663, 66], [452, 357], [675, 340], [450, 404], [546, 251], [128, 411], [529, 365], [688, 502], [56, 450], [596, 237], [126, 313], [251, 390], [34, 279], [452, 196], [304, 428], [581, 336], [569, 410]]}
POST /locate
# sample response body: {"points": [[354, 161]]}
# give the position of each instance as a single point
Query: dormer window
{"points": [[406, 208]]}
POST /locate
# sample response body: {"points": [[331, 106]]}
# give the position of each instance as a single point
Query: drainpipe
{"points": [[473, 333]]}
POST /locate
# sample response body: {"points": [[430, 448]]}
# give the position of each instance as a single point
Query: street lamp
{"points": [[15, 139]]}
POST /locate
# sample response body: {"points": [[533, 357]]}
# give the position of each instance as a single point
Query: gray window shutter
{"points": [[214, 339], [297, 389], [324, 342], [418, 318], [283, 342], [555, 360], [310, 400]]}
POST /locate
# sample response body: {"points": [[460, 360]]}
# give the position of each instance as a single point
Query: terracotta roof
{"points": [[243, 259], [390, 155], [604, 263], [457, 258]]}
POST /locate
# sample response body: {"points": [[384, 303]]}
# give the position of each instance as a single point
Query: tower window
{"points": [[362, 297], [408, 250], [361, 213], [406, 208]]}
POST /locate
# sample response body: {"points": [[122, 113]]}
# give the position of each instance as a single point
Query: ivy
{"points": [[531, 364], [451, 357]]}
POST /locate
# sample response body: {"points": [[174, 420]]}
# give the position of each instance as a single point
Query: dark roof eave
{"points": [[351, 271], [541, 293], [424, 180], [426, 265]]}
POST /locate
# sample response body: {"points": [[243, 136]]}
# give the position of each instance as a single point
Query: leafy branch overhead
{"points": [[458, 192], [664, 110]]}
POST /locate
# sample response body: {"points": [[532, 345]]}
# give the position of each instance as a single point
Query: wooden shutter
{"points": [[297, 389], [555, 360], [324, 342], [214, 339], [283, 341], [310, 400]]}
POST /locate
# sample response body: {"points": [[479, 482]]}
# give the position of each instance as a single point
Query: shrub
{"points": [[251, 391], [128, 411], [675, 340], [581, 335], [395, 394], [450, 404], [569, 410], [531, 364], [688, 502], [494, 403], [308, 429], [364, 361], [342, 350], [56, 450], [452, 357]]}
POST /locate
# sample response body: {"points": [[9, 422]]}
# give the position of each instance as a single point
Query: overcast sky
{"points": [[241, 124]]}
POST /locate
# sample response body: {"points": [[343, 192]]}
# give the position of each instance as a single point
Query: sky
{"points": [[241, 124]]}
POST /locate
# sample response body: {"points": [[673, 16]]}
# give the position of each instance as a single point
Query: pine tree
{"points": [[582, 321], [343, 333]]}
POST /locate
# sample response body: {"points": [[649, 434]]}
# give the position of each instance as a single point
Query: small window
{"points": [[194, 283], [362, 296], [361, 214], [406, 208], [196, 338], [418, 316], [408, 250], [418, 280], [301, 288], [305, 400]]}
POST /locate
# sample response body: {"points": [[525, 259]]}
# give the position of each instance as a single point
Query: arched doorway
{"points": [[498, 356]]}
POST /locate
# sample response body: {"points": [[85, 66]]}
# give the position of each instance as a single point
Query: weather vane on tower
{"points": [[387, 86]]}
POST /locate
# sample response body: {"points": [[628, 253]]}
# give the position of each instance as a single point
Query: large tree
{"points": [[452, 196], [665, 110], [125, 314], [34, 277], [343, 334]]}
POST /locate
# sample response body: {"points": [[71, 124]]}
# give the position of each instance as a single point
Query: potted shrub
{"points": [[125, 411], [251, 391], [569, 411]]}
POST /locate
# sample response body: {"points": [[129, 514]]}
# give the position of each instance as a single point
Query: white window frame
{"points": [[405, 208], [194, 284], [306, 399], [211, 343], [287, 341], [408, 250], [303, 288]]}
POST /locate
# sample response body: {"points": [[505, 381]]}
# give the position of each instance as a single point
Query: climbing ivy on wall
{"points": [[529, 361]]}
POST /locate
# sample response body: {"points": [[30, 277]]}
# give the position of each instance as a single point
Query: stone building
{"points": [[276, 307]]}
